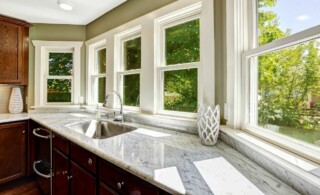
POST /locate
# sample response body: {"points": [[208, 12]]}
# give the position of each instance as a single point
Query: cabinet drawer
{"points": [[83, 157], [124, 182], [60, 143]]}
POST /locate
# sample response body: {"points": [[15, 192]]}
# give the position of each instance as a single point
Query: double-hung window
{"points": [[59, 77], [282, 72], [98, 78], [97, 72], [129, 69], [179, 62], [57, 73]]}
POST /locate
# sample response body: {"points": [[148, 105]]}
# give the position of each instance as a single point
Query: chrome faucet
{"points": [[119, 118]]}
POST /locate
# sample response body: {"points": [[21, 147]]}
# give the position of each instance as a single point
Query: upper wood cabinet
{"points": [[14, 51]]}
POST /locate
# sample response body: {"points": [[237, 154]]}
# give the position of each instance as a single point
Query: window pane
{"points": [[180, 90], [131, 90], [276, 20], [182, 43], [101, 89], [289, 91], [102, 61], [59, 90], [132, 54], [60, 64]]}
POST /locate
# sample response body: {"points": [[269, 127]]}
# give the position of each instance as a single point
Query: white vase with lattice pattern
{"points": [[16, 102], [209, 124]]}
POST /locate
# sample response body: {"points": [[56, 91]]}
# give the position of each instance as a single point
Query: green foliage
{"points": [[286, 77], [101, 89], [131, 90], [132, 54], [180, 90], [60, 64], [102, 60], [183, 43], [59, 90]]}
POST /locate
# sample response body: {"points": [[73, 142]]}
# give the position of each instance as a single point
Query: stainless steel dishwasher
{"points": [[43, 163]]}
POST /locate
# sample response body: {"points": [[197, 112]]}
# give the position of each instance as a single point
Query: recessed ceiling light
{"points": [[65, 5]]}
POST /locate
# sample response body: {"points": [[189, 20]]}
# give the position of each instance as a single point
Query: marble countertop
{"points": [[173, 161]]}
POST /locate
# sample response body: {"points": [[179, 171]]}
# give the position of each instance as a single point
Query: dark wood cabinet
{"points": [[12, 151], [60, 173], [83, 157], [60, 143], [81, 181], [104, 190], [14, 51], [124, 182], [77, 170]]}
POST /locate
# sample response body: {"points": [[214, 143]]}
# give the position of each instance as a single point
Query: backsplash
{"points": [[5, 92]]}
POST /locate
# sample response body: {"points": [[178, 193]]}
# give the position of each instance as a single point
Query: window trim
{"points": [[149, 34], [178, 17], [42, 49], [92, 69], [119, 39], [249, 88]]}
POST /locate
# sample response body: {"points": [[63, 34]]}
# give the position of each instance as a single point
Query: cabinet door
{"points": [[11, 53], [60, 173], [81, 182], [104, 190], [124, 182], [12, 151]]}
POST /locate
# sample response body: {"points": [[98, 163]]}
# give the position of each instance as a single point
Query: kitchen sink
{"points": [[101, 129]]}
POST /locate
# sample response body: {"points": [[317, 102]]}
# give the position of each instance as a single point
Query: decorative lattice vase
{"points": [[16, 102], [208, 124]]}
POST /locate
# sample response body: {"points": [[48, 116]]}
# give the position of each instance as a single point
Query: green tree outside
{"points": [[286, 79]]}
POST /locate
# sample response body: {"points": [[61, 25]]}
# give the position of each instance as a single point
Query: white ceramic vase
{"points": [[209, 124], [16, 102]]}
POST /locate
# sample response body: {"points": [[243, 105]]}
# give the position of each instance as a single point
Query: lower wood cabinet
{"points": [[77, 171], [60, 173], [124, 182], [12, 151], [81, 182], [104, 190]]}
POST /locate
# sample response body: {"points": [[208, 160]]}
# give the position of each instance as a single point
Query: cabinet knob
{"points": [[69, 177], [120, 185], [90, 161], [24, 131], [64, 172]]}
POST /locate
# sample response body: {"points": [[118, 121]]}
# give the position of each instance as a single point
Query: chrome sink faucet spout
{"points": [[119, 118]]}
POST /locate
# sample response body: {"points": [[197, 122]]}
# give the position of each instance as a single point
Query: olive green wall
{"points": [[55, 32], [122, 14]]}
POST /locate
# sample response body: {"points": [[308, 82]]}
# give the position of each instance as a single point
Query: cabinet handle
{"points": [[64, 172], [120, 185], [90, 161], [69, 177]]}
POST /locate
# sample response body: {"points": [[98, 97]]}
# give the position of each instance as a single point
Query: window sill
{"points": [[300, 173], [181, 124], [55, 108]]}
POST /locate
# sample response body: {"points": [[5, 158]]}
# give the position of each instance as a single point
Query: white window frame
{"points": [[242, 92], [42, 50], [161, 24], [119, 40], [92, 72], [148, 25]]}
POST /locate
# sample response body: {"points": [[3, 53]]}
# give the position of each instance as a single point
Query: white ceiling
{"points": [[48, 11]]}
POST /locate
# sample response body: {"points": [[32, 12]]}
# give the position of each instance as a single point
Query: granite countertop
{"points": [[173, 161]]}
